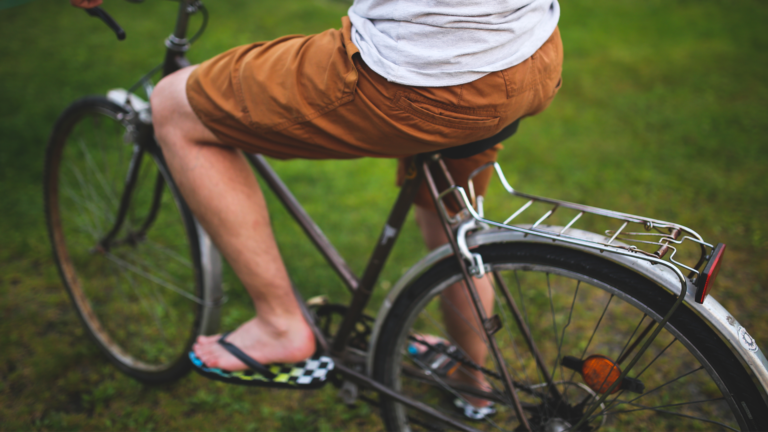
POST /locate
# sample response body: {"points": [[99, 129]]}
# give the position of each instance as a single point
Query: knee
{"points": [[168, 101], [162, 101]]}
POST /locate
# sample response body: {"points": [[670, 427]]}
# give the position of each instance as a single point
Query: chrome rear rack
{"points": [[660, 242], [652, 242]]}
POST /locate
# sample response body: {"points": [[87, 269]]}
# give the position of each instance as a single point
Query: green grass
{"points": [[662, 113]]}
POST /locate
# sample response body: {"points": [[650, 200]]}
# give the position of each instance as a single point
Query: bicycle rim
{"points": [[574, 305], [141, 297]]}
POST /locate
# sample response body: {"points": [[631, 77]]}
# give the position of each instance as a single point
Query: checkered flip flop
{"points": [[472, 412], [308, 374]]}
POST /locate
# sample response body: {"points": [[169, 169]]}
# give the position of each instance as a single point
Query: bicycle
{"points": [[146, 280]]}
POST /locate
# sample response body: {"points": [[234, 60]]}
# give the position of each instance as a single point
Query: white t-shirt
{"points": [[435, 43]]}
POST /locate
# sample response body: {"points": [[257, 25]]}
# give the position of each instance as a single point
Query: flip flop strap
{"points": [[245, 358]]}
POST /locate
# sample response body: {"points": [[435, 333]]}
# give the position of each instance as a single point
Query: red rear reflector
{"points": [[708, 275]]}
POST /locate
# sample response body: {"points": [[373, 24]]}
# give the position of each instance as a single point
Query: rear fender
{"points": [[731, 332]]}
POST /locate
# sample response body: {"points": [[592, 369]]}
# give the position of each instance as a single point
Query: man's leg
{"points": [[223, 193], [459, 314]]}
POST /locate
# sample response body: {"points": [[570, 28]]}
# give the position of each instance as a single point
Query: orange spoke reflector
{"points": [[600, 372]]}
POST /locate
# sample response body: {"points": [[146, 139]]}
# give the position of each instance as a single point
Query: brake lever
{"points": [[100, 13]]}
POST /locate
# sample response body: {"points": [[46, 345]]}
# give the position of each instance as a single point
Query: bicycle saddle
{"points": [[473, 148]]}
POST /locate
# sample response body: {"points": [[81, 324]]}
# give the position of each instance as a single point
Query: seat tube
{"points": [[376, 263]]}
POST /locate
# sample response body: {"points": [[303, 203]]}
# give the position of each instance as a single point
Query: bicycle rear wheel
{"points": [[146, 294], [579, 305]]}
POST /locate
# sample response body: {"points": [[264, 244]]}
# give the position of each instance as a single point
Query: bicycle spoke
{"points": [[155, 279], [622, 352], [557, 342], [643, 407], [168, 252], [616, 402], [660, 386], [522, 300], [90, 163], [667, 383], [655, 409], [657, 356], [636, 342], [618, 395], [153, 292], [508, 331], [560, 346], [600, 320], [554, 324], [525, 330], [562, 336], [98, 213], [88, 223], [144, 303], [151, 267], [525, 314]]}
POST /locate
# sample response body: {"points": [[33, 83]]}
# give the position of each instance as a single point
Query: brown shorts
{"points": [[313, 97]]}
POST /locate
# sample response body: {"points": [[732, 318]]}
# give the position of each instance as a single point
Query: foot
{"points": [[262, 341], [462, 374]]}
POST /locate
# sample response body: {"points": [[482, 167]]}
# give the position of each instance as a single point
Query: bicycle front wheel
{"points": [[144, 294], [577, 306]]}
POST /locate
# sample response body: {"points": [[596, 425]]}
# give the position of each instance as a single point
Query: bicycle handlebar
{"points": [[108, 20]]}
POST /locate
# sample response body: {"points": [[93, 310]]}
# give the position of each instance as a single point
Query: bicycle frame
{"points": [[362, 287], [175, 59]]}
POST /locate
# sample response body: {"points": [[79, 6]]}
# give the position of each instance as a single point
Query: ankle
{"points": [[294, 332]]}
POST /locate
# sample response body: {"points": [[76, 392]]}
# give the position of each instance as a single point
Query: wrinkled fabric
{"points": [[449, 42], [314, 97]]}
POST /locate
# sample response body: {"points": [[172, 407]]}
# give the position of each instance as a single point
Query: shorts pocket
{"points": [[293, 80], [452, 117]]}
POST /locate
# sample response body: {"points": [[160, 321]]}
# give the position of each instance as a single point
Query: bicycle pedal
{"points": [[317, 301]]}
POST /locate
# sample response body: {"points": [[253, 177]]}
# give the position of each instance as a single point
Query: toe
{"points": [[211, 361], [203, 350], [209, 358]]}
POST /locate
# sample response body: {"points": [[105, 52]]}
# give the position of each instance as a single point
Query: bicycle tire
{"points": [[146, 298], [742, 405]]}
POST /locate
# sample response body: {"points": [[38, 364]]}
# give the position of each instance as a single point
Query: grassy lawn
{"points": [[662, 113]]}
